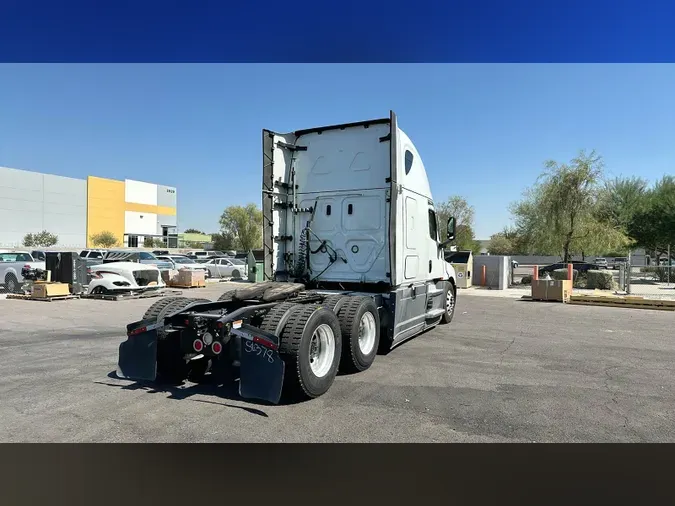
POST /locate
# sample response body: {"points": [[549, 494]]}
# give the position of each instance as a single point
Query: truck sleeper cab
{"points": [[353, 263]]}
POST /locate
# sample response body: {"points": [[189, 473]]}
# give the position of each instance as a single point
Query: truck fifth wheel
{"points": [[353, 263]]}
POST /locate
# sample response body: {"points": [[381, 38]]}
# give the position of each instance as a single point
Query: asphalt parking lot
{"points": [[504, 370]]}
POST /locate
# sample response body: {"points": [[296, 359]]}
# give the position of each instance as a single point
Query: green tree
{"points": [[561, 214], [223, 242], [620, 199], [193, 231], [502, 243], [464, 215], [652, 226], [40, 239], [150, 242], [244, 224], [105, 239]]}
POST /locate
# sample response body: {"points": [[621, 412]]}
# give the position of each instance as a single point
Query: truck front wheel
{"points": [[360, 326], [450, 301]]}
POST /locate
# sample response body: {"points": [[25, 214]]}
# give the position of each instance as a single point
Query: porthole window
{"points": [[408, 161]]}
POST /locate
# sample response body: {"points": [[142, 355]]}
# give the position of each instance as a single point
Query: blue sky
{"points": [[483, 131]]}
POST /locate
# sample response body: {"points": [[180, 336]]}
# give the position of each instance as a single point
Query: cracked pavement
{"points": [[503, 371]]}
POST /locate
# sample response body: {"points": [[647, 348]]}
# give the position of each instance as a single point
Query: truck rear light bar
{"points": [[264, 342]]}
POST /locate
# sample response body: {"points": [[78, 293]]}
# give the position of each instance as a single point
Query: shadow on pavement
{"points": [[227, 391]]}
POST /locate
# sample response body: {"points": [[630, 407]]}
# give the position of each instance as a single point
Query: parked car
{"points": [[159, 252], [11, 264], [115, 277], [601, 263], [581, 267], [144, 257], [93, 256], [227, 268], [618, 261], [183, 262], [204, 254]]}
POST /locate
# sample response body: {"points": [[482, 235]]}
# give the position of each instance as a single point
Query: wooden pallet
{"points": [[529, 297], [19, 296], [131, 295], [628, 302]]}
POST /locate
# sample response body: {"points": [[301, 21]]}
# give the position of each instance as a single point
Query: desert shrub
{"points": [[43, 238], [660, 273], [602, 280], [526, 280], [561, 274], [105, 239]]}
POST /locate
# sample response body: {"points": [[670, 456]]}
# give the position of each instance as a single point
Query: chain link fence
{"points": [[646, 276]]}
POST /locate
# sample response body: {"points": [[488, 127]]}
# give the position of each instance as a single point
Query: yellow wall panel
{"points": [[105, 207], [146, 208]]}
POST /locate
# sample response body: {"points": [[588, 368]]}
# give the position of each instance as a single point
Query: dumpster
{"points": [[462, 261], [255, 266]]}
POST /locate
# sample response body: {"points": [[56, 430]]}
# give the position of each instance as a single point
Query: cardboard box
{"points": [[187, 277], [553, 290], [42, 290], [169, 276]]}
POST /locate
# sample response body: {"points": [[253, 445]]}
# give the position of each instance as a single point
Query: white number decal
{"points": [[256, 349]]}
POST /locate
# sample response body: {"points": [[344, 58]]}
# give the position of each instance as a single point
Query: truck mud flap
{"points": [[138, 354], [261, 372]]}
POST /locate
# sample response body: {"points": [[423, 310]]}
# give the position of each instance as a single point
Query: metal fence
{"points": [[646, 276]]}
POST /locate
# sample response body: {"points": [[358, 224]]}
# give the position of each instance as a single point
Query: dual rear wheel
{"points": [[318, 340]]}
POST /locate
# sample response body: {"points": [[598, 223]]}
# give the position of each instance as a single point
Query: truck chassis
{"points": [[281, 340]]}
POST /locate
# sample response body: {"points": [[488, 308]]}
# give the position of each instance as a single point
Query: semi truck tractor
{"points": [[353, 264]]}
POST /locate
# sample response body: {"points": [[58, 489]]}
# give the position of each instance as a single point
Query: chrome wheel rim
{"points": [[449, 303], [322, 350], [367, 333]]}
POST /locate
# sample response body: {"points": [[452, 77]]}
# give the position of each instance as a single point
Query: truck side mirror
{"points": [[451, 228]]}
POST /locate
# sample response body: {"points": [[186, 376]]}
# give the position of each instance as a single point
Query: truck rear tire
{"points": [[311, 345], [153, 311], [334, 302], [360, 327], [450, 301], [227, 296]]}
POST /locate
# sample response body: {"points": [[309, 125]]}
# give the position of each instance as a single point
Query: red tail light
{"points": [[198, 345], [265, 343], [217, 348], [27, 266], [137, 331]]}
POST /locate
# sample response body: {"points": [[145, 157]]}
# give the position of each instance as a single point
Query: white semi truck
{"points": [[353, 263]]}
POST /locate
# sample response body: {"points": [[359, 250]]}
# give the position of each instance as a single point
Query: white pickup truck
{"points": [[11, 263]]}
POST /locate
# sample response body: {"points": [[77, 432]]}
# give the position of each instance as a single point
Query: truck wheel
{"points": [[360, 326], [227, 296], [311, 344], [12, 284], [334, 302], [153, 311], [236, 274], [276, 319], [450, 301]]}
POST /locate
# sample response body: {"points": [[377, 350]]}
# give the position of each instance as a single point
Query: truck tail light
{"points": [[197, 345], [265, 343], [217, 348]]}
